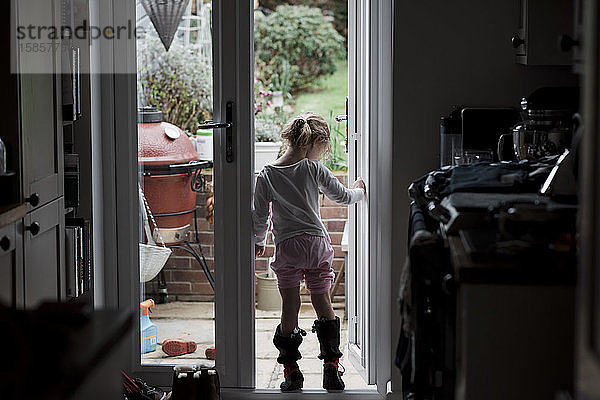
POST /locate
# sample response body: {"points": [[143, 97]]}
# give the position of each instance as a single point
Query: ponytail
{"points": [[305, 130]]}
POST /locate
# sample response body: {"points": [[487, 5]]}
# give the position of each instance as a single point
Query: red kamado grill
{"points": [[171, 174]]}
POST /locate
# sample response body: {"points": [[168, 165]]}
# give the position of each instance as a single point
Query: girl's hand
{"points": [[360, 184], [259, 250]]}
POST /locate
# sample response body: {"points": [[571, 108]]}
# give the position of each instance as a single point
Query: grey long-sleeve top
{"points": [[293, 193]]}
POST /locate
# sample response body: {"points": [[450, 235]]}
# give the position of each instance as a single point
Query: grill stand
{"points": [[197, 254]]}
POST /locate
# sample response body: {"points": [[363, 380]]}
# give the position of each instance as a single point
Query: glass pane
{"points": [[175, 159]]}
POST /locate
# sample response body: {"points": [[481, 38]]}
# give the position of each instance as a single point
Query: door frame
{"points": [[587, 361], [115, 99]]}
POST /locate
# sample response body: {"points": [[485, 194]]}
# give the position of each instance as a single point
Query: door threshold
{"points": [[312, 394]]}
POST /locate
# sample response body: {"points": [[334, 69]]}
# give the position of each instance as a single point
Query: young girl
{"points": [[302, 247]]}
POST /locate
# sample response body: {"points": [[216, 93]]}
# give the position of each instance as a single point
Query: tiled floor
{"points": [[195, 321]]}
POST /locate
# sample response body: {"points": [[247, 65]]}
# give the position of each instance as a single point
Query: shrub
{"points": [[301, 36], [339, 8], [268, 125], [177, 82]]}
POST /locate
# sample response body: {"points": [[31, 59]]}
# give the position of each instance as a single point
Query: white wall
{"points": [[446, 53]]}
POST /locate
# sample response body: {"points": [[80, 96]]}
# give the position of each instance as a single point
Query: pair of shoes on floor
{"points": [[178, 347], [332, 377]]}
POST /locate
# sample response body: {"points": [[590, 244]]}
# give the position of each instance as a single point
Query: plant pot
{"points": [[267, 293], [265, 153]]}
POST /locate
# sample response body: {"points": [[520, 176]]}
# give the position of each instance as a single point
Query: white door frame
{"points": [[234, 255], [115, 125], [370, 139], [115, 99]]}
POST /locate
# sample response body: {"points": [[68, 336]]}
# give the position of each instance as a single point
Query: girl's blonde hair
{"points": [[305, 130]]}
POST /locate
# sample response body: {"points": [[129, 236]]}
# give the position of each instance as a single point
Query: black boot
{"points": [[288, 355], [328, 332]]}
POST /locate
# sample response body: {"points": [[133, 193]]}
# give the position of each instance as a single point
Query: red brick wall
{"points": [[186, 280]]}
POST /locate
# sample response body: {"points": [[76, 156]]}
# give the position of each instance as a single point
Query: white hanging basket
{"points": [[152, 260], [152, 257]]}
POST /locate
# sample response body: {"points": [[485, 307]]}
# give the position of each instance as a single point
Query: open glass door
{"points": [[231, 109], [360, 346], [370, 157]]}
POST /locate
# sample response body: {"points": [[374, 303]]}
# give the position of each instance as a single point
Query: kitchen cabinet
{"points": [[541, 25], [11, 265], [44, 254], [41, 108]]}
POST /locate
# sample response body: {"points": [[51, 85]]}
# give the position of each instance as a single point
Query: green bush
{"points": [[301, 36], [339, 9], [177, 82]]}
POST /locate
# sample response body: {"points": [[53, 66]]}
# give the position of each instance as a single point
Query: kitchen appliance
{"points": [[470, 134], [562, 181], [450, 139], [542, 133], [171, 171]]}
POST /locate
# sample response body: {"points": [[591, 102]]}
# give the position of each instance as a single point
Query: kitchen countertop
{"points": [[11, 212]]}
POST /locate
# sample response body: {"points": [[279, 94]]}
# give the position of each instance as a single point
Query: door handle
{"points": [[346, 139], [213, 125], [228, 126], [34, 228]]}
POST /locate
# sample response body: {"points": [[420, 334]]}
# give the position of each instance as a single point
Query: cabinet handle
{"points": [[5, 243], [34, 199], [516, 41], [566, 43], [34, 228]]}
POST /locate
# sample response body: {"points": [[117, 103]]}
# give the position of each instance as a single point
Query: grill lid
{"points": [[158, 144]]}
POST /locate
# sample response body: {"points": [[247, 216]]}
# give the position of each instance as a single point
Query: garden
{"points": [[300, 65]]}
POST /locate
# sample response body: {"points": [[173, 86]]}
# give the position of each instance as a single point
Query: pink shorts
{"points": [[305, 257]]}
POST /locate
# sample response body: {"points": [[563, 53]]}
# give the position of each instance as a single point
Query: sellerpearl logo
{"points": [[49, 40]]}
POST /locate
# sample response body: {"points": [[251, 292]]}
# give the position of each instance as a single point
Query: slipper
{"points": [[178, 347]]}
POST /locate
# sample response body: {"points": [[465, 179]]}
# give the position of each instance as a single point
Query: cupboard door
{"points": [[44, 246], [542, 22], [41, 123], [11, 265]]}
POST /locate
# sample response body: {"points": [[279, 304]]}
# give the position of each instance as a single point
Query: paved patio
{"points": [[195, 321]]}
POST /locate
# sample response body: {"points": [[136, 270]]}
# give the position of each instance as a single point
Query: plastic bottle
{"points": [[148, 330], [204, 143]]}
